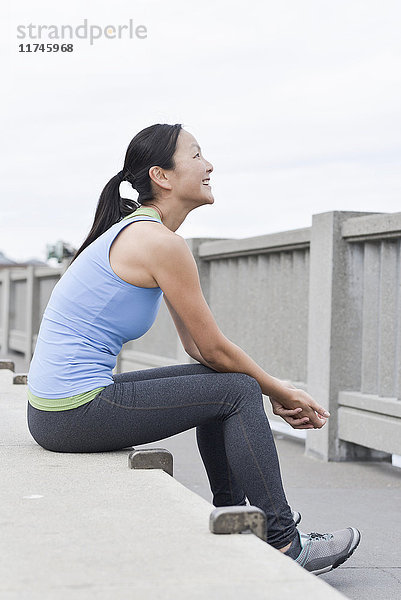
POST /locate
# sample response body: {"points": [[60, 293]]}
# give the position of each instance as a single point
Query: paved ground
{"points": [[329, 496]]}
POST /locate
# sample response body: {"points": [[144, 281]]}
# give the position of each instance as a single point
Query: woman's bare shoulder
{"points": [[146, 228], [150, 233], [138, 248]]}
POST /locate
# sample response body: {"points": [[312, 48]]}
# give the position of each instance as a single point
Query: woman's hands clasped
{"points": [[298, 408]]}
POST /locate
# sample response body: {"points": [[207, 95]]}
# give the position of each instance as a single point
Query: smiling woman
{"points": [[111, 293]]}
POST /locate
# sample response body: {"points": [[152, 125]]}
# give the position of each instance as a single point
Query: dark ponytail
{"points": [[153, 146]]}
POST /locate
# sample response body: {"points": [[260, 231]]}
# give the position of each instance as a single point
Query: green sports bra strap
{"points": [[143, 211]]}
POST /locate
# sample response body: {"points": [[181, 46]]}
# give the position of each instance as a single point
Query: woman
{"points": [[110, 294]]}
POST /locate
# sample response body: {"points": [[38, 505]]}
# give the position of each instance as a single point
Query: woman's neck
{"points": [[169, 216], [158, 210]]}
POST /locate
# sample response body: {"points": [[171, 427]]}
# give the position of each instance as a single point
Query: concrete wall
{"points": [[259, 296], [319, 306]]}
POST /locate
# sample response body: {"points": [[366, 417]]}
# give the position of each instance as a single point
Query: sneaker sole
{"points": [[341, 560]]}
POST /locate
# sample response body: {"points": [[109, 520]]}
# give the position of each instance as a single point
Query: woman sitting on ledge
{"points": [[111, 294]]}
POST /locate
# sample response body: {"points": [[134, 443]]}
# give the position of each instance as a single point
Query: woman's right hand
{"points": [[293, 398]]}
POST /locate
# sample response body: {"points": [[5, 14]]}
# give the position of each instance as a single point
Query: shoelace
{"points": [[320, 536]]}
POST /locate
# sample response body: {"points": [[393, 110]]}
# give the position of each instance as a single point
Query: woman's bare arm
{"points": [[189, 345]]}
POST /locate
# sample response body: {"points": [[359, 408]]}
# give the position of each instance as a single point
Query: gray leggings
{"points": [[232, 430]]}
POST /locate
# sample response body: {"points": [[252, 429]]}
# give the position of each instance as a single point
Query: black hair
{"points": [[154, 145]]}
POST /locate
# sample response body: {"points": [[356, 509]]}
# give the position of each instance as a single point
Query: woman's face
{"points": [[190, 179]]}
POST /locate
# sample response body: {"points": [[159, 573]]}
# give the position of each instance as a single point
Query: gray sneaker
{"points": [[322, 552]]}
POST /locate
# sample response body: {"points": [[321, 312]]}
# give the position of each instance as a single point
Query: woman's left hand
{"points": [[290, 416]]}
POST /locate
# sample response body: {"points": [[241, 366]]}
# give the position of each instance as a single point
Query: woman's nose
{"points": [[209, 167]]}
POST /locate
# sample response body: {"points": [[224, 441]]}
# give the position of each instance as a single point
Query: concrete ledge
{"points": [[19, 274], [369, 429], [87, 526], [375, 226], [371, 403], [273, 242]]}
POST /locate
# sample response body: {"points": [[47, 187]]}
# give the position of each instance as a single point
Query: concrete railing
{"points": [[369, 410], [319, 306], [24, 294], [106, 530]]}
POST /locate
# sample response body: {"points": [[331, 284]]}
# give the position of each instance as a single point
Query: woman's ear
{"points": [[159, 177]]}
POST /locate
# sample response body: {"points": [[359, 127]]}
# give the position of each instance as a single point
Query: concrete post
{"points": [[30, 275], [5, 311], [334, 332]]}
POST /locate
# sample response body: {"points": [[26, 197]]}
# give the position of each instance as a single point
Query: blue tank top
{"points": [[91, 313]]}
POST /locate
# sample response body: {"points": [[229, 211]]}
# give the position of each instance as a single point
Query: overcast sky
{"points": [[296, 104]]}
